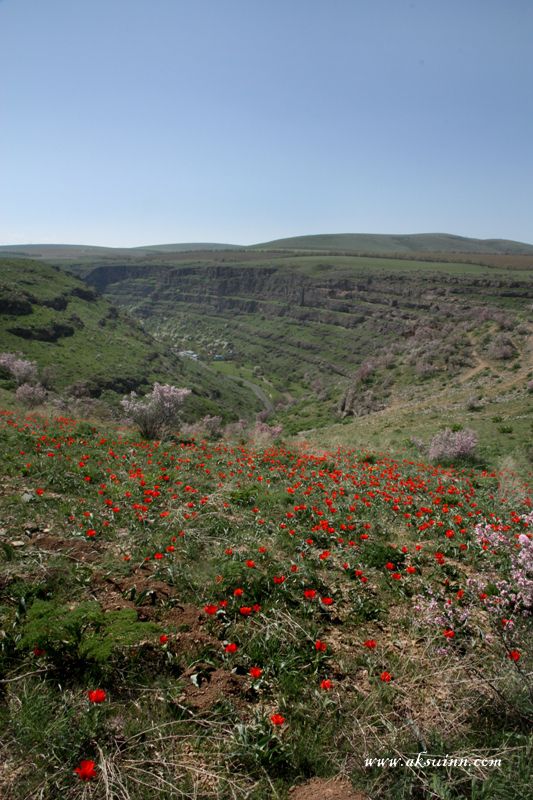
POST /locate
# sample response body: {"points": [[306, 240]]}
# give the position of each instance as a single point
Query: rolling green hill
{"points": [[62, 251], [186, 247], [73, 252], [384, 244], [87, 344], [353, 243]]}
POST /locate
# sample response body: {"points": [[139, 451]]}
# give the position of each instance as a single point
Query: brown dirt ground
{"points": [[189, 623], [110, 591], [215, 685], [77, 549], [320, 789], [186, 620]]}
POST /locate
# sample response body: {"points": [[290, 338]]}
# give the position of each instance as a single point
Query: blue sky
{"points": [[128, 122]]}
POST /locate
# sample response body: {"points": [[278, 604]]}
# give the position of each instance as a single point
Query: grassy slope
{"points": [[112, 351], [174, 528], [502, 416], [159, 736]]}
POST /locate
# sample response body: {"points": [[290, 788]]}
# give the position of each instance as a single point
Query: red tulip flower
{"points": [[86, 770], [96, 696], [255, 672]]}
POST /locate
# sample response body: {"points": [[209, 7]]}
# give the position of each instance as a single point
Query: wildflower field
{"points": [[204, 619]]}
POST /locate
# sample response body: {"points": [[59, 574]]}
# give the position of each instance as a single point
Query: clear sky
{"points": [[129, 122]]}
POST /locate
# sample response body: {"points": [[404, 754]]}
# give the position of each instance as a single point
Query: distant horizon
{"points": [[210, 241]]}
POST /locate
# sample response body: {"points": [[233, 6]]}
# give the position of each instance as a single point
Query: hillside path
{"points": [[259, 393]]}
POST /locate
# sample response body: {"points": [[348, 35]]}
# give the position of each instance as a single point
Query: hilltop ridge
{"points": [[355, 243]]}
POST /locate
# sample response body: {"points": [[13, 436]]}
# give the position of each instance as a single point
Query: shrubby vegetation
{"points": [[158, 412], [448, 445], [22, 370]]}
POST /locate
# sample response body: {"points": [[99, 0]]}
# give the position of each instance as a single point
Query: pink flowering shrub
{"points": [[260, 433], [492, 608], [448, 445], [31, 395], [235, 431], [22, 370], [158, 411], [263, 434], [206, 428], [502, 348], [514, 595], [433, 610]]}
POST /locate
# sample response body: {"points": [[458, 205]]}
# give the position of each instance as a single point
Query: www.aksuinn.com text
{"points": [[425, 759]]}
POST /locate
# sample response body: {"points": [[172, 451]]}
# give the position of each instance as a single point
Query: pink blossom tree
{"points": [[158, 412]]}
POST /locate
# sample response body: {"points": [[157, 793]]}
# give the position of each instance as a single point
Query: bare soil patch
{"points": [[78, 549], [213, 686], [320, 789]]}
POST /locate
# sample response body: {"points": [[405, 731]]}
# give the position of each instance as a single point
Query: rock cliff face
{"points": [[210, 284], [303, 322], [275, 291]]}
